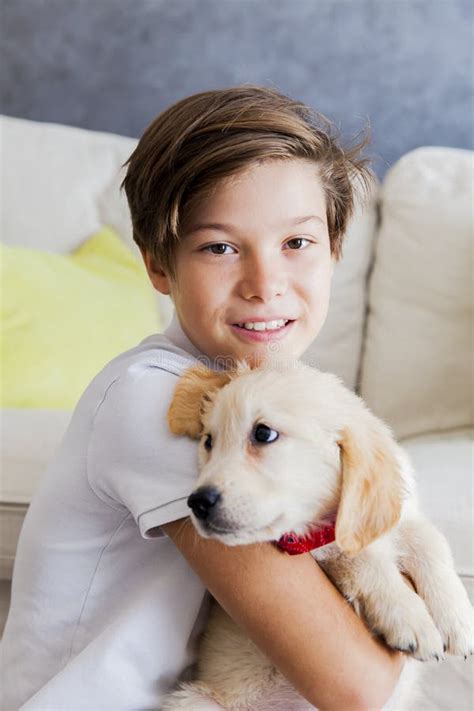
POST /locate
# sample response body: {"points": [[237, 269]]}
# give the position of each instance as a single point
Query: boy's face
{"points": [[247, 257]]}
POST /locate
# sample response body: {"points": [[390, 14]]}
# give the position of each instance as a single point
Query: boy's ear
{"points": [[372, 485], [194, 387], [158, 277]]}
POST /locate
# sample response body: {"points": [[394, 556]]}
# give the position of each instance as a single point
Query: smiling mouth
{"points": [[263, 330], [252, 335]]}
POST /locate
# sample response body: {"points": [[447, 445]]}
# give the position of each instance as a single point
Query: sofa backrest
{"points": [[417, 367], [338, 347]]}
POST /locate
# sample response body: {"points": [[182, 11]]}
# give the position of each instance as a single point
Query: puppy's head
{"points": [[282, 449]]}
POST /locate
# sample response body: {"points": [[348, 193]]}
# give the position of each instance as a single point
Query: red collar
{"points": [[316, 538]]}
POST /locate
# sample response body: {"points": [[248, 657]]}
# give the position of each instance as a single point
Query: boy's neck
{"points": [[176, 334]]}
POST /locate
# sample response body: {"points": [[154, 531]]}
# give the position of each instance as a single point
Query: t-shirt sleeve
{"points": [[134, 461]]}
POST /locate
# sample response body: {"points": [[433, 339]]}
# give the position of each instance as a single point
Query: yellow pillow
{"points": [[64, 317]]}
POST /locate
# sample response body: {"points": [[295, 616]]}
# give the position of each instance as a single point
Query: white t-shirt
{"points": [[105, 611]]}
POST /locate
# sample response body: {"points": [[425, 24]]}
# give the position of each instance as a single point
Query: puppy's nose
{"points": [[203, 500]]}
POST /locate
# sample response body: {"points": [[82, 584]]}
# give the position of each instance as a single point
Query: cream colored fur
{"points": [[332, 456]]}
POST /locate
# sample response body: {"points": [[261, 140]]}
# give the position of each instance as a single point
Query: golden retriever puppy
{"points": [[284, 452]]}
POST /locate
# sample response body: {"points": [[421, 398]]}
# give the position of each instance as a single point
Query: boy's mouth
{"points": [[263, 331], [269, 325]]}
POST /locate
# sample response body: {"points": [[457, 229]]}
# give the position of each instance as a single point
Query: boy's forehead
{"points": [[283, 193]]}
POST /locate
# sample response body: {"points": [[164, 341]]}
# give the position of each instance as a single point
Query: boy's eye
{"points": [[296, 241], [217, 248]]}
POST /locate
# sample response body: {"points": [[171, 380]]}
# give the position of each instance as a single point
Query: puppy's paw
{"points": [[456, 626], [191, 696], [407, 626], [420, 639]]}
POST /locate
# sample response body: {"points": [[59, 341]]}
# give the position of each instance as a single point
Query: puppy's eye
{"points": [[208, 442], [262, 434]]}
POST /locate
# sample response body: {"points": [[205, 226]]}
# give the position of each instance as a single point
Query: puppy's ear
{"points": [[195, 385], [372, 485]]}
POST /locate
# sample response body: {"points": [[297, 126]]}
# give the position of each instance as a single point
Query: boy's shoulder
{"points": [[154, 361], [120, 436], [157, 351]]}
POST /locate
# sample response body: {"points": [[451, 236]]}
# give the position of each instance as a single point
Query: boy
{"points": [[239, 204]]}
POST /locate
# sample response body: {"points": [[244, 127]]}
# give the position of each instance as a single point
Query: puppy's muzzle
{"points": [[203, 501]]}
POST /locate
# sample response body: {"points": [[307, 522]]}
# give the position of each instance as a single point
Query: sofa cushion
{"points": [[447, 686], [53, 180], [338, 346], [29, 441], [417, 363], [64, 317], [69, 178], [443, 464]]}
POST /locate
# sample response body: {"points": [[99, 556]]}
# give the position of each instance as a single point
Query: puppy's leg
{"points": [[191, 696], [231, 673], [372, 582], [427, 559]]}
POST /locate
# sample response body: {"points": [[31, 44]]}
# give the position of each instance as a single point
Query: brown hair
{"points": [[212, 135]]}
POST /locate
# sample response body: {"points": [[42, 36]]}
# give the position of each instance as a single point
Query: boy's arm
{"points": [[296, 617]]}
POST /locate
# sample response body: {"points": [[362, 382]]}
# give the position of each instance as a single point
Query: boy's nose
{"points": [[203, 500], [263, 279]]}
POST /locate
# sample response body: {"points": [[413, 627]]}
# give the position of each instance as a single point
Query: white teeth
{"points": [[263, 325]]}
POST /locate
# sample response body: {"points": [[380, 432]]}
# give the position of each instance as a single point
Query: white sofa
{"points": [[398, 329]]}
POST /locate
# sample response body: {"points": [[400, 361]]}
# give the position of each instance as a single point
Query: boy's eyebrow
{"points": [[230, 228]]}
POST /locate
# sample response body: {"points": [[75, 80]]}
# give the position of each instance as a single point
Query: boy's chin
{"points": [[276, 356]]}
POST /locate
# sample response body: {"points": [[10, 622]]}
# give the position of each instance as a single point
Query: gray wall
{"points": [[112, 65]]}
